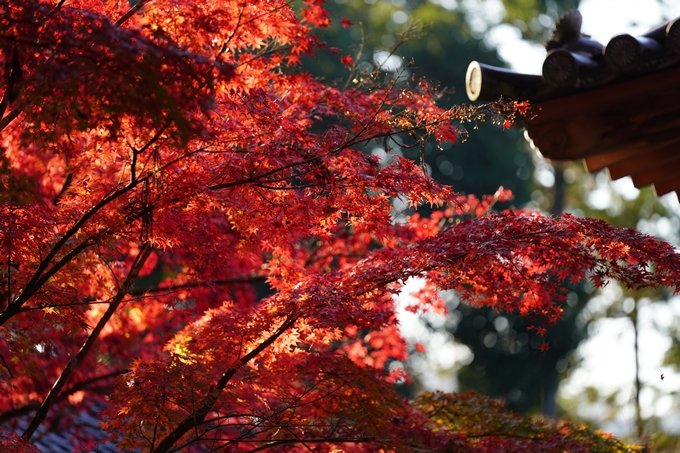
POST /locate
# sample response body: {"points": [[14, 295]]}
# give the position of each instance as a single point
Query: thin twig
{"points": [[130, 12], [11, 375]]}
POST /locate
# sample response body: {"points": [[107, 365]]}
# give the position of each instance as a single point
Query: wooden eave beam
{"points": [[640, 111]]}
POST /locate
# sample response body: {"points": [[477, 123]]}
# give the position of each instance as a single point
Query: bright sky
{"points": [[608, 356], [602, 19]]}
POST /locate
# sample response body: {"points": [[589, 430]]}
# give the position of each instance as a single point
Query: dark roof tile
{"points": [[616, 106]]}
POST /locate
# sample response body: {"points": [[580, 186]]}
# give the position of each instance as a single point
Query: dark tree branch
{"points": [[11, 116], [196, 418], [315, 441], [9, 370], [227, 281], [131, 12], [51, 398]]}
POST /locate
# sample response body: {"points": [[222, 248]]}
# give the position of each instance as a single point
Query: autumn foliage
{"points": [[198, 251]]}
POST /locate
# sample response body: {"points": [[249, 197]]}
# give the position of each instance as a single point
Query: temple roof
{"points": [[617, 106]]}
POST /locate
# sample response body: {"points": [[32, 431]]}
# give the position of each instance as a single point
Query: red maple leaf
{"points": [[346, 23], [347, 61], [521, 107], [293, 59]]}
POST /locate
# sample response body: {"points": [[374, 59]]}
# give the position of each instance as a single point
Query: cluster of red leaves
{"points": [[11, 443], [150, 79], [159, 164], [488, 427]]}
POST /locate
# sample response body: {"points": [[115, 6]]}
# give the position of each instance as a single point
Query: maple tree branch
{"points": [[277, 47], [198, 417], [355, 63], [51, 398], [300, 187], [264, 419], [42, 274], [13, 70], [4, 102], [536, 437], [67, 183], [37, 281], [225, 45], [261, 421], [313, 441], [364, 127], [156, 289], [287, 428], [83, 385], [273, 171], [130, 12], [228, 281], [4, 122], [262, 175], [15, 307], [355, 140], [9, 370], [347, 144]]}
